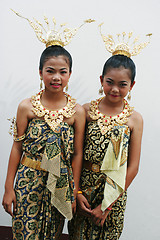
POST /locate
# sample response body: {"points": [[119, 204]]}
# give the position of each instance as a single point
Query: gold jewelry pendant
{"points": [[129, 95], [66, 88], [101, 90], [41, 84]]}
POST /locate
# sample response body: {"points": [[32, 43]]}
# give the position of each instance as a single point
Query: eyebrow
{"points": [[123, 81], [54, 68], [110, 79]]}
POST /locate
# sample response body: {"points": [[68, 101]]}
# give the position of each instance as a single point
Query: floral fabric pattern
{"points": [[93, 183], [36, 217]]}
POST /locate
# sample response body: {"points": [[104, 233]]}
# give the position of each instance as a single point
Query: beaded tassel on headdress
{"points": [[52, 36], [124, 47]]}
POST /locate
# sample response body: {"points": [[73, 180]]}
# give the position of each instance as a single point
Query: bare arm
{"points": [[84, 207], [15, 157], [134, 149], [79, 127]]}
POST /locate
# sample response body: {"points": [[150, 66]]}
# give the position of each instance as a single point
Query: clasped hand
{"points": [[96, 214]]}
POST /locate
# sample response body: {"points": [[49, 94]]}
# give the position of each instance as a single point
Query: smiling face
{"points": [[116, 84], [55, 73]]}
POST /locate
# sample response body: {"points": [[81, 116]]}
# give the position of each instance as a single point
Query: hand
{"points": [[9, 198], [83, 206], [99, 217]]}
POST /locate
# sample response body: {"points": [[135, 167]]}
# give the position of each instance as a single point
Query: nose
{"points": [[56, 77], [115, 89]]}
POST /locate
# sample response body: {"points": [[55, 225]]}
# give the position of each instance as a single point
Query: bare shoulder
{"points": [[24, 113], [136, 116], [135, 121], [79, 117], [86, 106], [79, 109], [25, 104], [25, 109]]}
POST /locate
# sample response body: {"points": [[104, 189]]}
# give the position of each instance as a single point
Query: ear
{"points": [[132, 85], [101, 79], [70, 73], [40, 73]]}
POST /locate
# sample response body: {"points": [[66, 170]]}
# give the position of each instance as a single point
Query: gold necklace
{"points": [[53, 117], [106, 123]]}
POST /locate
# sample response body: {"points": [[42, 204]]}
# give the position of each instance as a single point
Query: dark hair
{"points": [[118, 61], [55, 51]]}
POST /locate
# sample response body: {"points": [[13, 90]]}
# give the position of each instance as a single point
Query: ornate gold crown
{"points": [[49, 36], [123, 46]]}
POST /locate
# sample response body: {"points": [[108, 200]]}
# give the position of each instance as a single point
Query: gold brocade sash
{"points": [[58, 195], [115, 167]]}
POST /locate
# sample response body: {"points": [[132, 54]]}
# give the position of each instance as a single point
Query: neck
{"points": [[53, 101], [111, 108], [112, 104], [56, 96]]}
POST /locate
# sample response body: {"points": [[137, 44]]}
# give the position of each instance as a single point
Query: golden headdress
{"points": [[49, 36], [124, 47]]}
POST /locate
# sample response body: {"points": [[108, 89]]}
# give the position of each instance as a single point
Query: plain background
{"points": [[19, 79]]}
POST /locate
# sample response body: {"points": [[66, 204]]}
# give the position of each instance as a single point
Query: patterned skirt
{"points": [[81, 227], [35, 218]]}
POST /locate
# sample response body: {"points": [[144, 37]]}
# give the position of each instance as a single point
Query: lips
{"points": [[112, 95], [55, 85]]}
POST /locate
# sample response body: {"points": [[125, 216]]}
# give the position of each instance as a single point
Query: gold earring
{"points": [[101, 90], [67, 87], [41, 85], [129, 95]]}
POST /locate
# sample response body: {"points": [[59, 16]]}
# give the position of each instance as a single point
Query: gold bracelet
{"points": [[79, 192]]}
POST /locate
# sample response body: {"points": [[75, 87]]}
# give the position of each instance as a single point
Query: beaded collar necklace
{"points": [[55, 117], [105, 122]]}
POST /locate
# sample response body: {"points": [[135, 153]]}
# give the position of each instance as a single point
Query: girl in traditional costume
{"points": [[111, 150], [47, 150]]}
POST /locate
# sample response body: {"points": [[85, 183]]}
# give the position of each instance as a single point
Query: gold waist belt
{"points": [[28, 162]]}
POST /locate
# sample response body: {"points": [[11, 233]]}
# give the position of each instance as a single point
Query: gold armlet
{"points": [[18, 139], [13, 130]]}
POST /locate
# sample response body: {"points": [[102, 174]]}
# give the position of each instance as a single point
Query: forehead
{"points": [[60, 61], [119, 74]]}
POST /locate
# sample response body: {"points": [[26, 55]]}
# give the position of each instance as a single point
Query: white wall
{"points": [[19, 58]]}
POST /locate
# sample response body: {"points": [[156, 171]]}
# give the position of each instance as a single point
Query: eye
{"points": [[123, 85], [109, 82], [50, 71], [63, 72]]}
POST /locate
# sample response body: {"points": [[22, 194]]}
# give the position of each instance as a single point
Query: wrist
{"points": [[75, 193], [79, 192], [8, 186]]}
